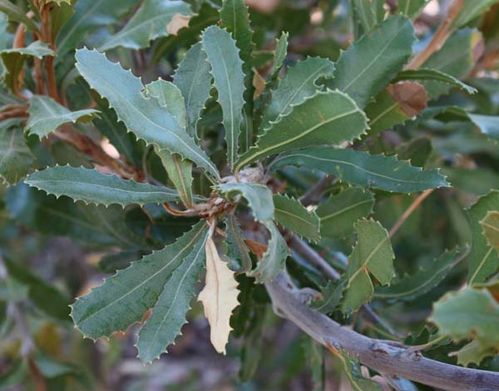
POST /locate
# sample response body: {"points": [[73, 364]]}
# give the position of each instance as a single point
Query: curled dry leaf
{"points": [[178, 22], [219, 296], [411, 96]]}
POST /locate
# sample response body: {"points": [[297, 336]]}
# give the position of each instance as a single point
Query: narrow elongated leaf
{"points": [[219, 296], [168, 315], [179, 170], [435, 75], [423, 281], [298, 85], [339, 213], [351, 368], [194, 80], [151, 21], [469, 314], [471, 10], [372, 255], [280, 52], [490, 227], [46, 115], [362, 169], [144, 117], [367, 66], [483, 260], [90, 186], [259, 198], [16, 14], [15, 156], [291, 214], [227, 71], [329, 118], [411, 8], [122, 299], [89, 16]]}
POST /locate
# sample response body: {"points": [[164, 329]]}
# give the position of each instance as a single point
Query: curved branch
{"points": [[383, 356]]}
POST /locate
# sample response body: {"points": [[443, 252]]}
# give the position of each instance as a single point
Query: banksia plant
{"points": [[214, 158]]}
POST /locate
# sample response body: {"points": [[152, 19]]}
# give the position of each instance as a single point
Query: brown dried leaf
{"points": [[411, 96]]}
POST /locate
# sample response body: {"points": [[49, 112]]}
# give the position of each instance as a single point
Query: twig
{"points": [[317, 191], [415, 204], [382, 356], [439, 38]]}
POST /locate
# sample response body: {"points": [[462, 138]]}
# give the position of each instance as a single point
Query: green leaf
{"points": [[483, 261], [435, 75], [488, 124], [46, 115], [280, 52], [15, 156], [329, 117], [490, 227], [362, 169], [274, 259], [152, 20], [291, 214], [89, 16], [351, 368], [423, 281], [168, 315], [455, 58], [144, 117], [372, 255], [411, 8], [237, 251], [16, 14], [227, 71], [471, 10], [367, 14], [298, 85], [469, 314], [339, 213], [473, 353], [367, 66], [179, 170], [123, 299], [259, 198], [90, 186], [194, 80], [13, 60]]}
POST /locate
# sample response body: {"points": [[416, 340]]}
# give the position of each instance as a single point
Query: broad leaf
{"points": [[339, 213], [488, 124], [291, 214], [469, 314], [367, 66], [372, 255], [194, 80], [46, 115], [90, 186], [435, 75], [219, 296], [490, 227], [144, 117], [237, 251], [168, 315], [227, 71], [423, 281], [299, 84], [362, 169], [154, 19], [351, 368], [483, 260], [326, 118], [15, 156], [89, 16], [123, 298]]}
